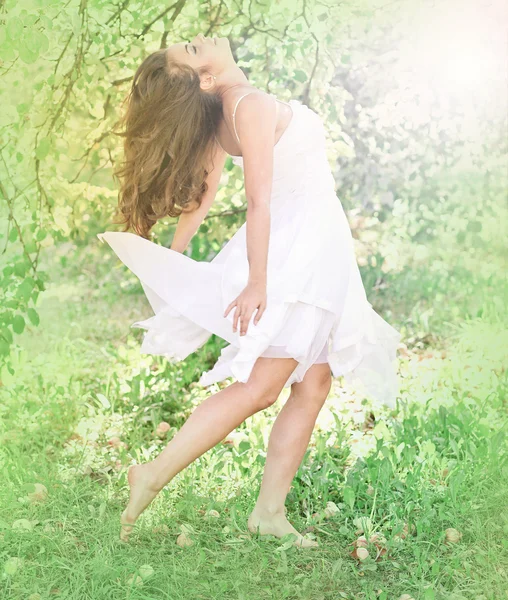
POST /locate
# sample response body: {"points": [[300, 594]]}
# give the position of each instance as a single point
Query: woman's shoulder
{"points": [[239, 93]]}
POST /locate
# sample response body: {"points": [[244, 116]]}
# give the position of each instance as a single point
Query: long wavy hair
{"points": [[169, 126]]}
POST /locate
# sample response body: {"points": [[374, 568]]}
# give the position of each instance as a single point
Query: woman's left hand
{"points": [[251, 298]]}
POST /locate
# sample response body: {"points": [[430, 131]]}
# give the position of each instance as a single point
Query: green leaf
{"points": [[40, 284], [75, 22], [25, 289], [7, 51], [33, 316], [43, 148], [4, 347], [27, 55], [46, 22], [104, 401], [349, 497], [23, 108], [18, 324], [20, 269], [29, 19], [14, 28], [474, 226], [243, 446], [31, 246], [13, 235], [42, 41], [30, 41], [300, 75], [287, 544]]}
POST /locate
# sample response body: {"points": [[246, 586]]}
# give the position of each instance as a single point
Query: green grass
{"points": [[84, 404]]}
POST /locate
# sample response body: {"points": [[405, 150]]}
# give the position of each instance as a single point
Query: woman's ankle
{"points": [[268, 510], [153, 476]]}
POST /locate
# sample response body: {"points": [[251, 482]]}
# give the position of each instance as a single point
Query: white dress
{"points": [[317, 309]]}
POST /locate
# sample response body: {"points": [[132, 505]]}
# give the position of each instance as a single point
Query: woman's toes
{"points": [[306, 543], [126, 527], [278, 526], [125, 532]]}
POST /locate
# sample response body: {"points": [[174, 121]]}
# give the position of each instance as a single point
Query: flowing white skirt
{"points": [[316, 311]]}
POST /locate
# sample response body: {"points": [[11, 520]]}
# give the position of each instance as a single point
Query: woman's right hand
{"points": [[252, 297]]}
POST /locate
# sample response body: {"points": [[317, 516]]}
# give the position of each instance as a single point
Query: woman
{"points": [[285, 291]]}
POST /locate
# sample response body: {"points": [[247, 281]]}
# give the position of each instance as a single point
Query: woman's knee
{"points": [[267, 380], [315, 386], [261, 396]]}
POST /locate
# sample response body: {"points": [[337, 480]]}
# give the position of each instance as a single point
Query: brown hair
{"points": [[169, 127]]}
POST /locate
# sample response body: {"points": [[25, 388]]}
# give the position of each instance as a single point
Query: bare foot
{"points": [[142, 491], [278, 526]]}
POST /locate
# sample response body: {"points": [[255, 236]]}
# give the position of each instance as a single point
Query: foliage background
{"points": [[414, 99]]}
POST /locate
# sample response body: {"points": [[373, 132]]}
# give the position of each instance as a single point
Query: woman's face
{"points": [[213, 53]]}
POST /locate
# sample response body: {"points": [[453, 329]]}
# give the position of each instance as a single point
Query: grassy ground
{"points": [[84, 404]]}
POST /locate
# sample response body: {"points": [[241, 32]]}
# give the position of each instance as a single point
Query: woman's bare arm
{"points": [[255, 126], [256, 120], [188, 223]]}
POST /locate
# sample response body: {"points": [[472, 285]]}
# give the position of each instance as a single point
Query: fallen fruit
{"points": [[12, 565], [162, 428], [163, 528], [146, 571], [22, 524], [318, 516], [331, 510], [378, 539], [452, 536], [40, 494], [360, 553], [363, 524], [184, 540], [115, 442], [134, 580], [403, 534]]}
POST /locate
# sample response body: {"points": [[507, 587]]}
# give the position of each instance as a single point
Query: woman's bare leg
{"points": [[288, 442], [208, 424]]}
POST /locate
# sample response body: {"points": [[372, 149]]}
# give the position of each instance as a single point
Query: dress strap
{"points": [[236, 106], [234, 123], [234, 112]]}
